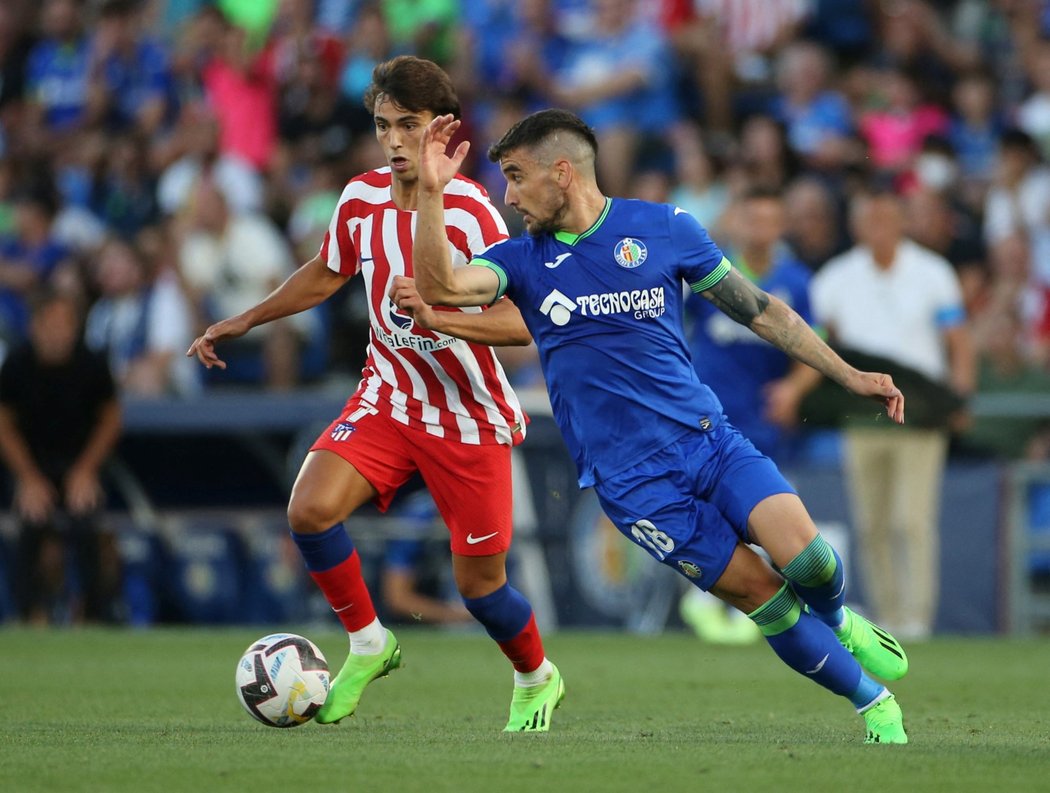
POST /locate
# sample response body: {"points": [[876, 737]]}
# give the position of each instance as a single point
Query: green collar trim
{"points": [[571, 239]]}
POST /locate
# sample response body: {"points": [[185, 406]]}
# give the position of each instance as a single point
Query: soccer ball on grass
{"points": [[282, 680]]}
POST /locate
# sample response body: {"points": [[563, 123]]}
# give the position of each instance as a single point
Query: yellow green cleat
{"points": [[357, 672], [885, 723], [532, 706], [875, 649]]}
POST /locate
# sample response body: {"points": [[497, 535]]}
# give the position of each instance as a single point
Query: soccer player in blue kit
{"points": [[599, 284]]}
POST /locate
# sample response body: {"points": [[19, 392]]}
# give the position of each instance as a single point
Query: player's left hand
{"points": [[403, 294], [436, 166], [879, 386]]}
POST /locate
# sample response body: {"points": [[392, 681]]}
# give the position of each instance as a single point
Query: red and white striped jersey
{"points": [[446, 386]]}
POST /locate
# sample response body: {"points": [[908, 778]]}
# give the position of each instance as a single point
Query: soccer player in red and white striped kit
{"points": [[433, 399]]}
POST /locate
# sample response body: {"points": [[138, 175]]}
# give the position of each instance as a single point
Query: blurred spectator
{"points": [[1004, 368], [242, 92], [314, 120], [766, 159], [759, 386], [899, 121], [1033, 116], [1019, 199], [313, 210], [295, 36], [229, 262], [814, 228], [368, 45], [607, 78], [975, 127], [914, 39], [699, 187], [817, 117], [28, 259], [57, 75], [889, 297], [199, 158], [946, 228], [59, 422], [124, 195], [142, 323], [129, 71], [15, 45], [426, 28]]}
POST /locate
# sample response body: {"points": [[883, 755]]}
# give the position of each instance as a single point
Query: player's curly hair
{"points": [[538, 127], [414, 84]]}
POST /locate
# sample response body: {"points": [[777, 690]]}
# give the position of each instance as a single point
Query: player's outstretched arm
{"points": [[438, 283], [776, 322], [499, 326], [310, 285]]}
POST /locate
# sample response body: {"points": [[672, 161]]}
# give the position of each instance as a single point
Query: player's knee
{"points": [[309, 516]]}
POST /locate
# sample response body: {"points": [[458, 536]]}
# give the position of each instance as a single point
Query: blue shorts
{"points": [[688, 504]]}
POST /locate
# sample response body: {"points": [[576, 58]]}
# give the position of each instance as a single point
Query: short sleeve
{"points": [[497, 258], [337, 248], [701, 263]]}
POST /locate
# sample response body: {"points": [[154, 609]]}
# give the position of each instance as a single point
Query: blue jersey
{"points": [[605, 308], [738, 364]]}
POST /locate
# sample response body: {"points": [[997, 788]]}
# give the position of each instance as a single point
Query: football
{"points": [[282, 680]]}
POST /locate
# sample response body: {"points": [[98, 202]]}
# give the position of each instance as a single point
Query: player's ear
{"points": [[563, 173]]}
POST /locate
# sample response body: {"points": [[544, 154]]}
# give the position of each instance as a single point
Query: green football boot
{"points": [[875, 649], [532, 706], [885, 723], [357, 672]]}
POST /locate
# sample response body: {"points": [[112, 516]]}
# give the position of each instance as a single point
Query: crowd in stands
{"points": [[169, 162]]}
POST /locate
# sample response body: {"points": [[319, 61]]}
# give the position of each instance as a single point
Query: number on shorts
{"points": [[650, 536]]}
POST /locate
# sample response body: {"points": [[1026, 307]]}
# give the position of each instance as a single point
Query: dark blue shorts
{"points": [[688, 504]]}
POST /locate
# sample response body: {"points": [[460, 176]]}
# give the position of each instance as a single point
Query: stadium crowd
{"points": [[167, 163], [170, 161]]}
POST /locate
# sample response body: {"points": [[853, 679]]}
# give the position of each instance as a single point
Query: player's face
{"points": [[533, 192], [398, 131]]}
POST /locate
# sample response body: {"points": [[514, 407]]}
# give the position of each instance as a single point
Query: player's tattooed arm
{"points": [[776, 322], [779, 324], [738, 298]]}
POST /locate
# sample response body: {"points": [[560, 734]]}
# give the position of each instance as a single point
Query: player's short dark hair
{"points": [[536, 128], [414, 84]]}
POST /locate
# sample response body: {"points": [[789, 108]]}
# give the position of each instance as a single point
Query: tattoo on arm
{"points": [[738, 298]]}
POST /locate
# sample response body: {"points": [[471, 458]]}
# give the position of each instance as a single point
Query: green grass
{"points": [[156, 711]]}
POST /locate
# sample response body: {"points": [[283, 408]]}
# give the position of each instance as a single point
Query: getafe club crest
{"points": [[690, 569], [630, 252]]}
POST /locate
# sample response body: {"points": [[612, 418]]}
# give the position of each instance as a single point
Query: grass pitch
{"points": [[88, 710]]}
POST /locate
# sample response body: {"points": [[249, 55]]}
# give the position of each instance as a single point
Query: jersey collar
{"points": [[571, 239]]}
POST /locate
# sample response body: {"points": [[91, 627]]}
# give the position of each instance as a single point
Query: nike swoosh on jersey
{"points": [[557, 260], [472, 540]]}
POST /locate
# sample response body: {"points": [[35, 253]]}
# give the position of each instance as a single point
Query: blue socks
{"points": [[325, 550], [809, 647], [504, 613], [818, 579]]}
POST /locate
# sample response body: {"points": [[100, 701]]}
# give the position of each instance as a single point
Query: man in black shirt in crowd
{"points": [[59, 421]]}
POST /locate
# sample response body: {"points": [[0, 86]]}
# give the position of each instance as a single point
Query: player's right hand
{"points": [[880, 387], [436, 167], [204, 346]]}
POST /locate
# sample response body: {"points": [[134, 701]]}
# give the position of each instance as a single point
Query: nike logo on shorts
{"points": [[472, 540]]}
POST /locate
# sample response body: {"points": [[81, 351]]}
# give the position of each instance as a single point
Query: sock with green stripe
{"points": [[809, 647], [817, 577]]}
